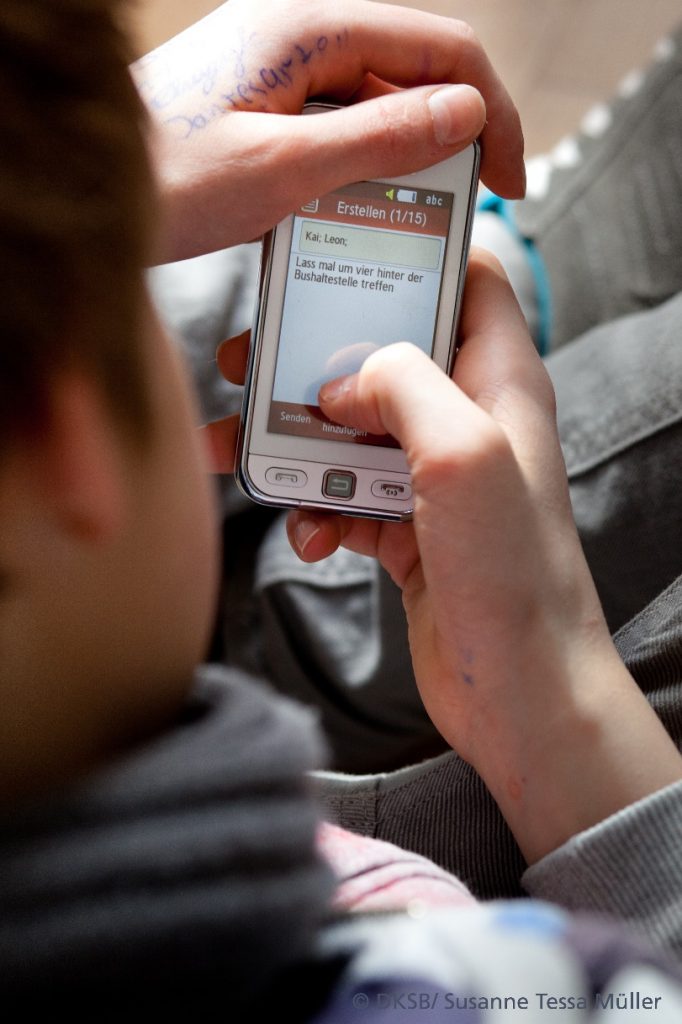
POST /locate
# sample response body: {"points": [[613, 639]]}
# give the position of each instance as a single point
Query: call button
{"points": [[283, 476]]}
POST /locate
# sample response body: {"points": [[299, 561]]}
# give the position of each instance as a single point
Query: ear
{"points": [[81, 460]]}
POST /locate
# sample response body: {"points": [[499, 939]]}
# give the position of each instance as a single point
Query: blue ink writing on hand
{"points": [[244, 85], [305, 54], [270, 78], [284, 69], [241, 90]]}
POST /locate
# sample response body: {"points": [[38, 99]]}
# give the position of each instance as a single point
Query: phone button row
{"points": [[283, 476], [391, 489]]}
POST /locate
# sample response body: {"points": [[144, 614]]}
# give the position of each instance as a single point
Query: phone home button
{"points": [[284, 476], [338, 484]]}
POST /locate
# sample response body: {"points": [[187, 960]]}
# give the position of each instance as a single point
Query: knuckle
{"points": [[392, 124], [386, 359], [374, 384], [467, 36], [377, 382], [546, 392], [480, 257], [462, 460]]}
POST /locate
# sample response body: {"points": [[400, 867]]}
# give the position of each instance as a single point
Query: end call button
{"points": [[394, 489]]}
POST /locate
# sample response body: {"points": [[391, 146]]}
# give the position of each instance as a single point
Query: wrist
{"points": [[593, 747]]}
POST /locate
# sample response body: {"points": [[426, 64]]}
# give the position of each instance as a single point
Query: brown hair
{"points": [[76, 200]]}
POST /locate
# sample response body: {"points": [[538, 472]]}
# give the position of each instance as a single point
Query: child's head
{"points": [[107, 539]]}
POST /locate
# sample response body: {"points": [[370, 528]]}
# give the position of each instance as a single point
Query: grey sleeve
{"points": [[629, 865]]}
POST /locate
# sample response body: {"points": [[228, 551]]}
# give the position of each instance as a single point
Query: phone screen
{"points": [[365, 270]]}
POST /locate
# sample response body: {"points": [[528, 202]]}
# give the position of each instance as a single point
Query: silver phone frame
{"points": [[349, 455]]}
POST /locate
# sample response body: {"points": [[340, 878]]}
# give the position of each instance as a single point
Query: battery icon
{"points": [[406, 195]]}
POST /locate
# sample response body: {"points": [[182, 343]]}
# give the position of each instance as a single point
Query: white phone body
{"points": [[369, 264]]}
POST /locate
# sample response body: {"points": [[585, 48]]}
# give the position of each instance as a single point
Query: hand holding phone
{"points": [[373, 263]]}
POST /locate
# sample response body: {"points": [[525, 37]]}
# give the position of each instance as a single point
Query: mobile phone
{"points": [[371, 263]]}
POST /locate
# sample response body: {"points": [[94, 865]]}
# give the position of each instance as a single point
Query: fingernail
{"points": [[446, 106], [334, 389], [304, 531]]}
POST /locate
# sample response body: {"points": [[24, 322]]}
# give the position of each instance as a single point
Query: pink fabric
{"points": [[374, 875]]}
